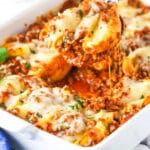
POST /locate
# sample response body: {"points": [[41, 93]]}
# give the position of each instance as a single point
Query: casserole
{"points": [[104, 140]]}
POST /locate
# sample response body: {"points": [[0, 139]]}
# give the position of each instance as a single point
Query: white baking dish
{"points": [[29, 137]]}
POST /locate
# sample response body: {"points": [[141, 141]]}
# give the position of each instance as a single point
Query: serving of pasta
{"points": [[80, 73]]}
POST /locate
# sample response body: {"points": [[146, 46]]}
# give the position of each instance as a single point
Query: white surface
{"points": [[146, 2], [125, 138]]}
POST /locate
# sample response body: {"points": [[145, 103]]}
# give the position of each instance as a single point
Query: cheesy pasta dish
{"points": [[80, 73]]}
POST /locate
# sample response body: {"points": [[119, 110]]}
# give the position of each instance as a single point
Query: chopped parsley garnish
{"points": [[61, 127], [2, 105], [76, 97], [81, 13], [59, 30], [28, 66], [21, 92], [137, 24], [78, 100], [38, 115], [80, 103], [67, 38], [72, 107], [90, 117], [3, 54], [31, 120], [142, 96], [77, 105], [32, 51]]}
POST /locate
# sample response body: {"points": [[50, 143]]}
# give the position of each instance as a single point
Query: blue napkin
{"points": [[4, 143]]}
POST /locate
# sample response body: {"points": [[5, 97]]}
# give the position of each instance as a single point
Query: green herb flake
{"points": [[67, 38], [28, 66], [21, 92], [91, 117], [32, 51], [142, 96], [31, 121], [80, 103], [38, 115], [2, 105], [76, 97], [3, 54], [81, 13], [77, 106], [78, 100], [61, 127], [72, 107], [137, 24], [59, 30]]}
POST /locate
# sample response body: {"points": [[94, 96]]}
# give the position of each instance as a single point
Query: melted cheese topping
{"points": [[137, 23], [137, 89], [139, 59]]}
